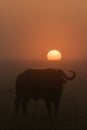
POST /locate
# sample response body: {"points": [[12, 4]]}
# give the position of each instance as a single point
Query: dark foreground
{"points": [[72, 109], [34, 122], [72, 114]]}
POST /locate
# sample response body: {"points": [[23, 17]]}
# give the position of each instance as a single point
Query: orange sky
{"points": [[30, 28]]}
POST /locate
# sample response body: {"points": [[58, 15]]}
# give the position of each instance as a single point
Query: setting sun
{"points": [[54, 55]]}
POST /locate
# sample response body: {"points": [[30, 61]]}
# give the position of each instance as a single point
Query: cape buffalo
{"points": [[44, 84]]}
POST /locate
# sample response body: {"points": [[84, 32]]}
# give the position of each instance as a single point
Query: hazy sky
{"points": [[30, 28]]}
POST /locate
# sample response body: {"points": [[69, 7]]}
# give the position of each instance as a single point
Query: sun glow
{"points": [[54, 55]]}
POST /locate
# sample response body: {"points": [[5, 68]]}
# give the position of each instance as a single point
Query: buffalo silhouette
{"points": [[44, 84]]}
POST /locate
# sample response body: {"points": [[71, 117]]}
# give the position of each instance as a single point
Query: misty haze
{"points": [[73, 103], [37, 34]]}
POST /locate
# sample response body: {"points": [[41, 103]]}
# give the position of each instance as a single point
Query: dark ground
{"points": [[72, 110]]}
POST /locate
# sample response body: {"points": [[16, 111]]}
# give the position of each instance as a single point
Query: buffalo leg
{"points": [[24, 105], [56, 107], [17, 104], [48, 107]]}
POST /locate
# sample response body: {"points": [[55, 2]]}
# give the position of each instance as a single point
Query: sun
{"points": [[54, 55]]}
